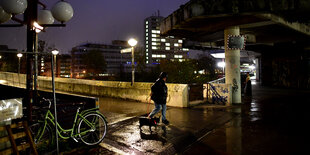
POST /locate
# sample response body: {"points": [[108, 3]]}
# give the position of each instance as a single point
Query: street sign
{"points": [[126, 50], [236, 42]]}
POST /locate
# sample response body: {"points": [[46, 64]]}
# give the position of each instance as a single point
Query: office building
{"points": [[158, 47], [115, 60]]}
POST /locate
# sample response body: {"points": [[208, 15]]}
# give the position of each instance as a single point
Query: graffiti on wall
{"points": [[219, 94]]}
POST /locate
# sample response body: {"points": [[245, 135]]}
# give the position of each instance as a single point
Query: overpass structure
{"points": [[264, 23]]}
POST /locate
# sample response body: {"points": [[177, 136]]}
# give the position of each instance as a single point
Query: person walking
{"points": [[158, 94]]}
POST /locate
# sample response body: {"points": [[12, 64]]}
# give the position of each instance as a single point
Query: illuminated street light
{"points": [[38, 28], [19, 55], [55, 52], [132, 42]]}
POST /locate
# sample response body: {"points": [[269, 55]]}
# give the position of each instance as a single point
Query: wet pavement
{"points": [[272, 121]]}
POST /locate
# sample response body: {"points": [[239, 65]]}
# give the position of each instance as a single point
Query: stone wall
{"points": [[177, 93]]}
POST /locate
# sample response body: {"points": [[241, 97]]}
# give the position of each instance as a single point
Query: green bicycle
{"points": [[89, 126]]}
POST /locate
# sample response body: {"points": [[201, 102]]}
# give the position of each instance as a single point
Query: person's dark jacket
{"points": [[159, 92]]}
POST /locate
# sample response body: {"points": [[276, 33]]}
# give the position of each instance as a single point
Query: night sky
{"points": [[96, 21]]}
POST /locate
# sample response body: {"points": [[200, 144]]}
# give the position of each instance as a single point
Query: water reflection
{"points": [[234, 134]]}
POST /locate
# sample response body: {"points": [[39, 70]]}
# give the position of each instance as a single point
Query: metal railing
{"points": [[216, 98]]}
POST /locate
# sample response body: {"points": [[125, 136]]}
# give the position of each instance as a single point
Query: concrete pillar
{"points": [[232, 68]]}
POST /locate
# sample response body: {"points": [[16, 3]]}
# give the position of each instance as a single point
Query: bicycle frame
{"points": [[50, 117]]}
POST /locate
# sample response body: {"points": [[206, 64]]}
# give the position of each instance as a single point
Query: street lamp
{"points": [[55, 52], [132, 42], [61, 11], [19, 55]]}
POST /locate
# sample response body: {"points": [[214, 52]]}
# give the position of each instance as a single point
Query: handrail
{"points": [[220, 80]]}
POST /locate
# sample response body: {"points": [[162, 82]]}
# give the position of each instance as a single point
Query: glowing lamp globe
{"points": [[132, 42], [62, 11], [45, 17], [4, 16], [14, 6]]}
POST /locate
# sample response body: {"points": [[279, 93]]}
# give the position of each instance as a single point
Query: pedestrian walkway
{"points": [[187, 125], [270, 122]]}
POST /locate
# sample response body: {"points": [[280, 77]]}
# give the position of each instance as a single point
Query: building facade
{"points": [[115, 60], [158, 47]]}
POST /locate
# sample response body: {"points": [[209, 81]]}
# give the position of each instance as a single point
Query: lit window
{"points": [[167, 44], [167, 48], [154, 31], [185, 49], [154, 43], [180, 41], [176, 44], [147, 26], [155, 35], [163, 56], [147, 62], [154, 39], [178, 56], [147, 50], [163, 40], [146, 38], [147, 34], [146, 30], [154, 47], [146, 22], [147, 54]]}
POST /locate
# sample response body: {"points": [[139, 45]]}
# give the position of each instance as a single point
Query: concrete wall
{"points": [[177, 93]]}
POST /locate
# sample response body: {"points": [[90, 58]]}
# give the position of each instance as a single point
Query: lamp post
{"points": [[19, 55], [61, 11], [132, 42], [55, 52]]}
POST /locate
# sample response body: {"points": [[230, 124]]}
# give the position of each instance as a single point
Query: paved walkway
{"points": [[269, 122]]}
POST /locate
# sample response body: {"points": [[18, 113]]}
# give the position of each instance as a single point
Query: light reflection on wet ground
{"points": [[273, 121]]}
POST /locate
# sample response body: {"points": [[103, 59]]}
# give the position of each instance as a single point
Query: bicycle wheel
{"points": [[92, 129], [46, 141]]}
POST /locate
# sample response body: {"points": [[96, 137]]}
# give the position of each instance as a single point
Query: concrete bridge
{"points": [[178, 95], [275, 28]]}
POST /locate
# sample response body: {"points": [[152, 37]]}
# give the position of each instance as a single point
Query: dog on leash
{"points": [[144, 120]]}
